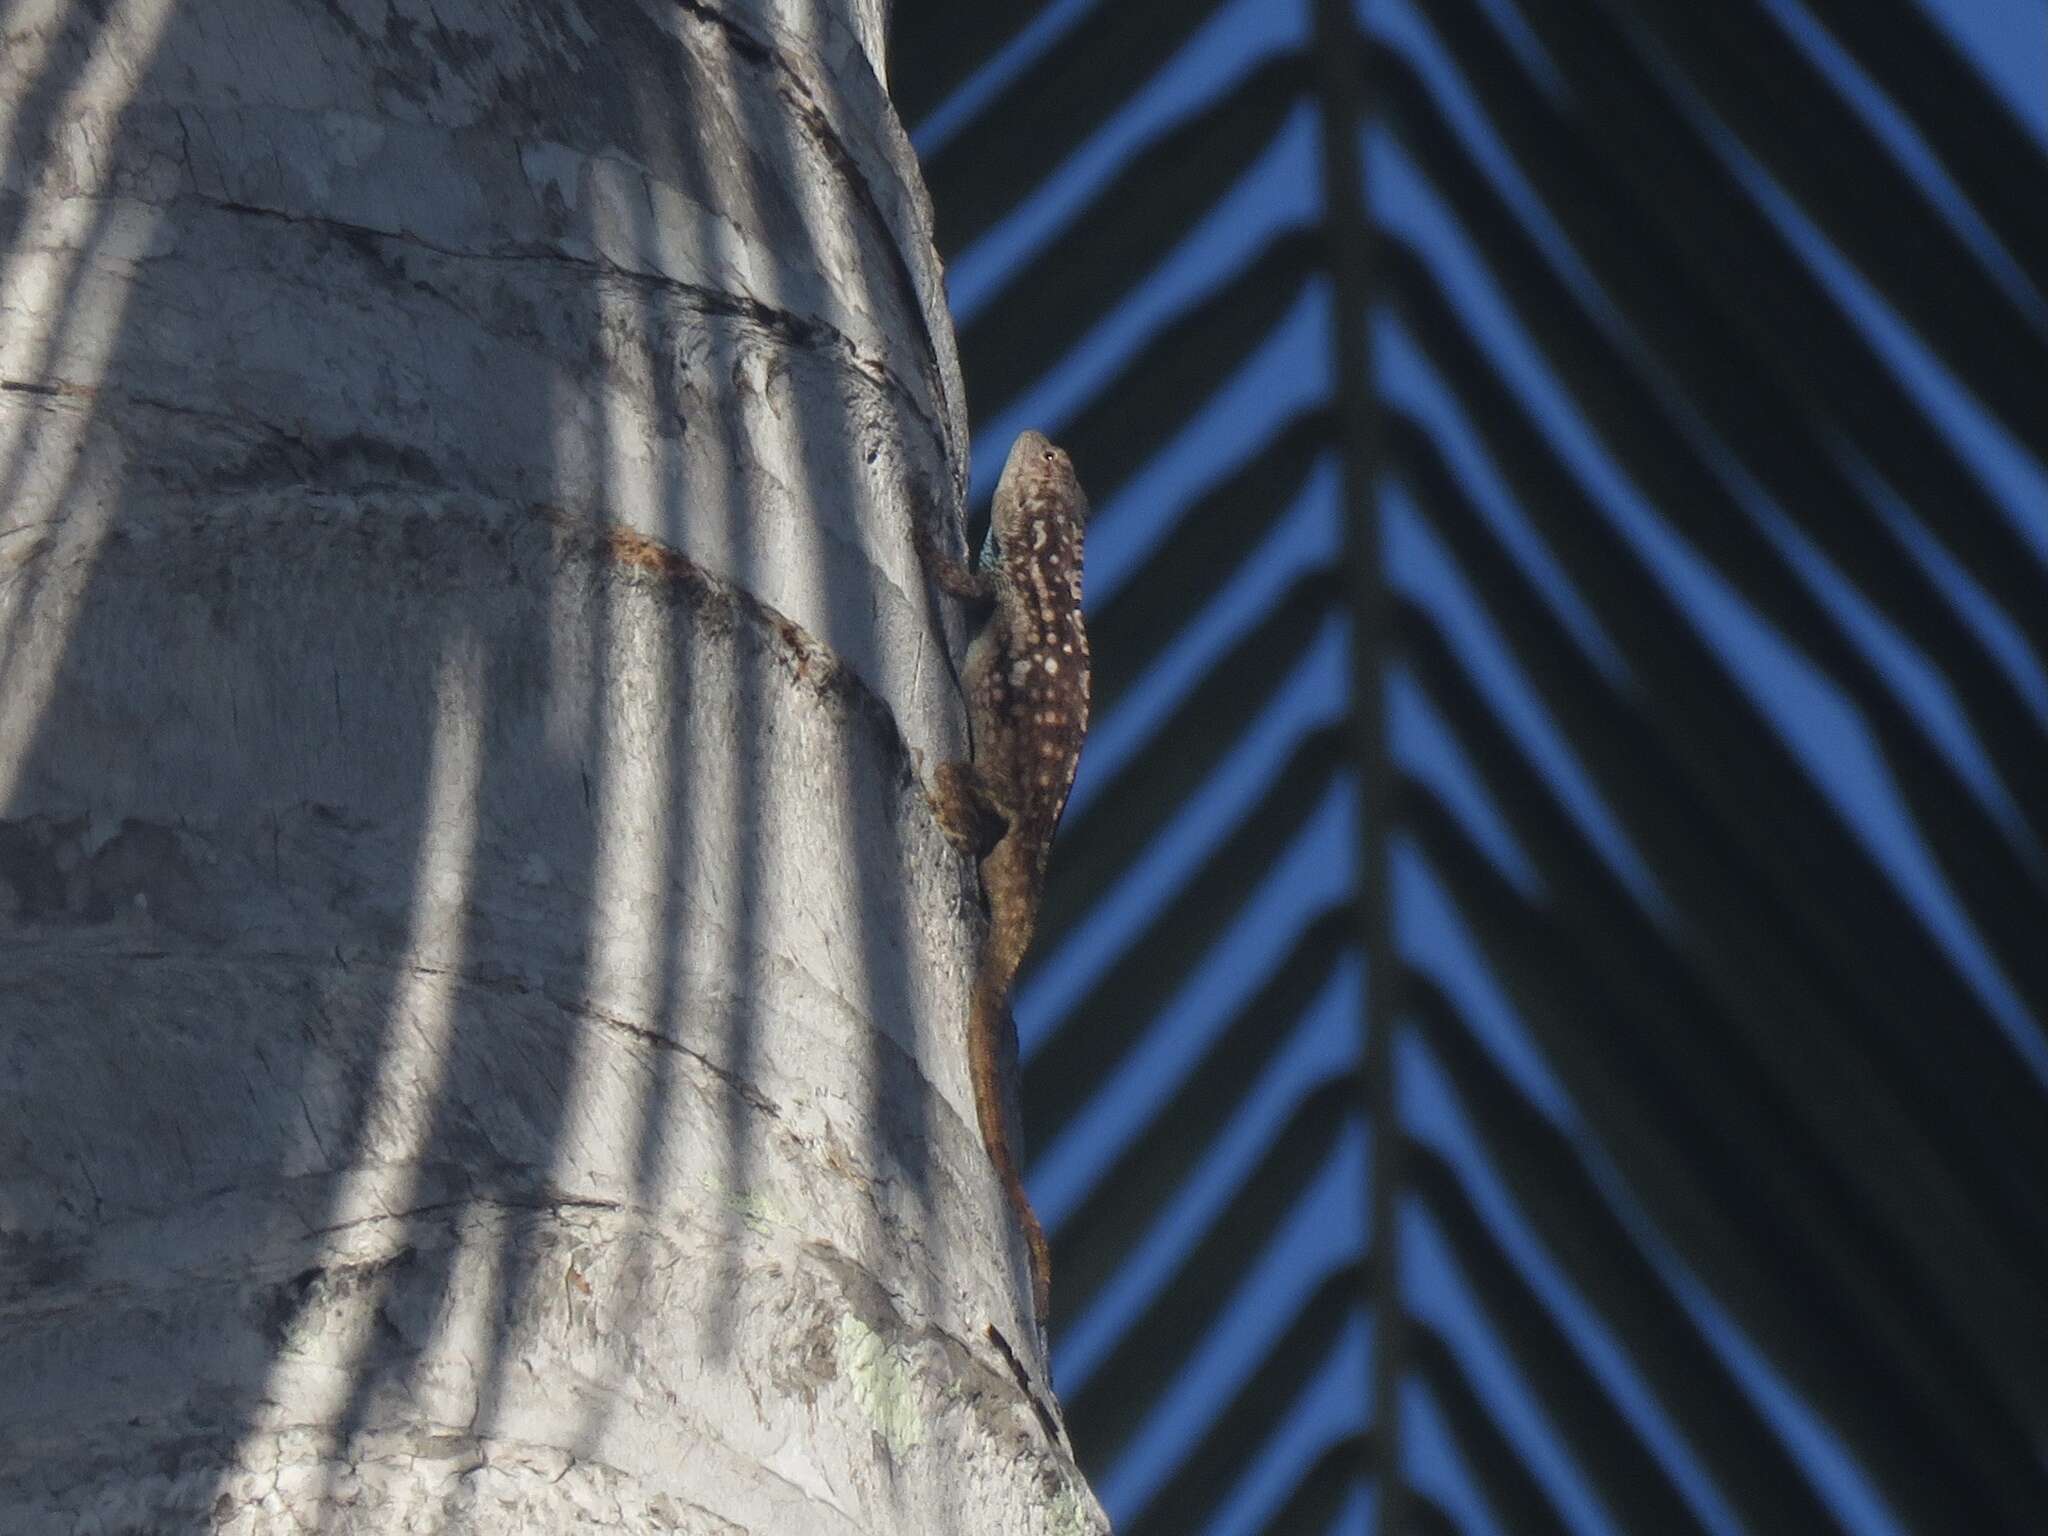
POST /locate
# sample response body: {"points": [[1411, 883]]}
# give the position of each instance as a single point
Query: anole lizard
{"points": [[1027, 710]]}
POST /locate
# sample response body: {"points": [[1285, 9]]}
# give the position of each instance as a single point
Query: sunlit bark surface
{"points": [[480, 988]]}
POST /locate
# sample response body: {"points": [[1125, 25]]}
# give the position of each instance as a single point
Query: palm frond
{"points": [[1687, 367]]}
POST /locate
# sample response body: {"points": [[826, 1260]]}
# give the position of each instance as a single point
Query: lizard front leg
{"points": [[952, 574]]}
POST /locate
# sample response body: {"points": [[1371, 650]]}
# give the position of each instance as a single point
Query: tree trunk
{"points": [[481, 990]]}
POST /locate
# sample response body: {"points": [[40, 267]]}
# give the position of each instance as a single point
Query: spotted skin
{"points": [[1027, 702]]}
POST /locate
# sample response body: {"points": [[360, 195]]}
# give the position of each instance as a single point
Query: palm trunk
{"points": [[480, 987]]}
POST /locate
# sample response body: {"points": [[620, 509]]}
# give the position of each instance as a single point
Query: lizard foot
{"points": [[971, 820]]}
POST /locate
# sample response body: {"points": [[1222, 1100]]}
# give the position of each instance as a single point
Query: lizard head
{"points": [[1038, 482]]}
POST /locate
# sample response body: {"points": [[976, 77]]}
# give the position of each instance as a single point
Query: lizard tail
{"points": [[1012, 884], [990, 1014]]}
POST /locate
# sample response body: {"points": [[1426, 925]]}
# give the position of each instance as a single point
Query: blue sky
{"points": [[2008, 42]]}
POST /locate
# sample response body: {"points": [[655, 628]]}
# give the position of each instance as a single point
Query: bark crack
{"points": [[805, 331], [797, 91]]}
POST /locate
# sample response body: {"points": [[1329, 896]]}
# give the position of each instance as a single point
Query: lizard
{"points": [[1026, 681]]}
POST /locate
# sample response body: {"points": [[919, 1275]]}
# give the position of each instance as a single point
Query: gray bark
{"points": [[480, 987]]}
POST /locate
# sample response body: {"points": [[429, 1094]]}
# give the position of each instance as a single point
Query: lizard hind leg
{"points": [[969, 816]]}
